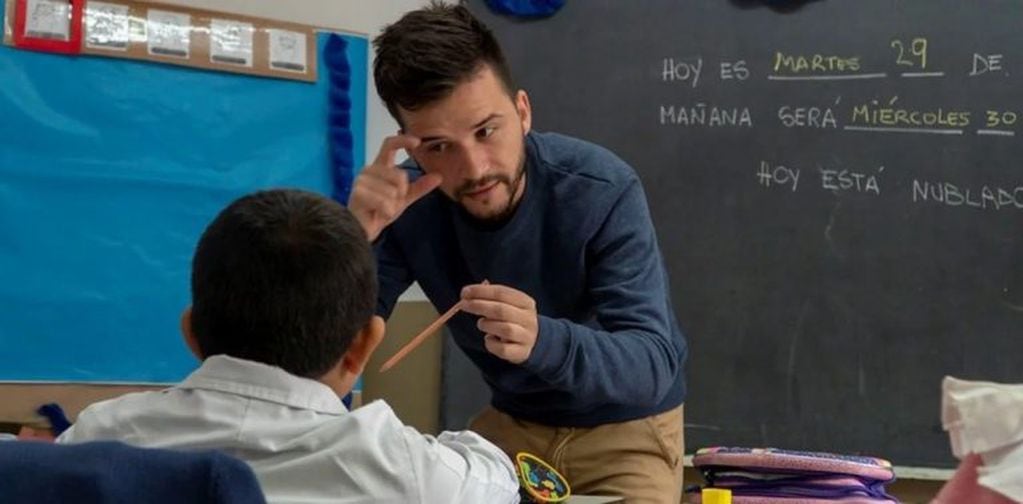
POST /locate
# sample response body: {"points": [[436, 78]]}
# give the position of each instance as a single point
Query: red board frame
{"points": [[71, 46]]}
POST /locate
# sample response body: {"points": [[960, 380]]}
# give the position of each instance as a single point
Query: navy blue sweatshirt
{"points": [[582, 244]]}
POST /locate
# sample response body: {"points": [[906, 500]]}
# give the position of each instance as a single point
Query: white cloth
{"points": [[987, 419], [302, 443]]}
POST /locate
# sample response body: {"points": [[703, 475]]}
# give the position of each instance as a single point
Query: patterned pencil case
{"points": [[775, 476]]}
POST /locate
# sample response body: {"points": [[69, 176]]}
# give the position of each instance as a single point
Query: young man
{"points": [[283, 288], [575, 332]]}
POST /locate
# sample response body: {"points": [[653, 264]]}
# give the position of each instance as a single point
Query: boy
{"points": [[283, 292]]}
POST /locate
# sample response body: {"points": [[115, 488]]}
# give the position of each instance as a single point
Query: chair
{"points": [[113, 473]]}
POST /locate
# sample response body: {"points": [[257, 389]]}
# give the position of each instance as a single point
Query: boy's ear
{"points": [[342, 378], [363, 346], [188, 335]]}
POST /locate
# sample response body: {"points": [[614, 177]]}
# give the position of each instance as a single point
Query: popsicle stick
{"points": [[421, 337]]}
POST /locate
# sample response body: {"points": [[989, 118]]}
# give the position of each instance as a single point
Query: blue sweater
{"points": [[582, 244]]}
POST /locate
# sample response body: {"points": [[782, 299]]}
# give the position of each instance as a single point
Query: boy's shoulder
{"points": [[101, 420], [132, 401], [376, 419]]}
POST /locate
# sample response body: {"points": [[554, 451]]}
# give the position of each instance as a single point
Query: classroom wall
{"points": [[366, 17], [412, 389]]}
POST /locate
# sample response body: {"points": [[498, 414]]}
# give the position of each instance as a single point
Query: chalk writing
{"points": [[806, 117], [987, 198], [703, 115], [916, 56], [983, 64], [734, 70], [848, 180], [1000, 119], [878, 114], [768, 175], [683, 70], [819, 63]]}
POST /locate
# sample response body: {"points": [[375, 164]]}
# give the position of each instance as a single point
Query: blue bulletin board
{"points": [[109, 171]]}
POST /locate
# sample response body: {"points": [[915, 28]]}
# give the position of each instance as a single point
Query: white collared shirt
{"points": [[302, 443]]}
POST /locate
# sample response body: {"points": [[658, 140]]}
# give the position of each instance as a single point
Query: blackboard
{"points": [[837, 189]]}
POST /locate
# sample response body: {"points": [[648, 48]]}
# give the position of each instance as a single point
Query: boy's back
{"points": [[283, 291], [299, 439]]}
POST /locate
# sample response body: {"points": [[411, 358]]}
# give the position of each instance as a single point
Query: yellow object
{"points": [[540, 480], [716, 496]]}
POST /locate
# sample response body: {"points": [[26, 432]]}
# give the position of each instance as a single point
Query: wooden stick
{"points": [[421, 337]]}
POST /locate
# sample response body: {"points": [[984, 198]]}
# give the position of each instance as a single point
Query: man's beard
{"points": [[511, 185]]}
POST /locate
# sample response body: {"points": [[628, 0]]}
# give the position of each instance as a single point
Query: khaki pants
{"points": [[639, 460]]}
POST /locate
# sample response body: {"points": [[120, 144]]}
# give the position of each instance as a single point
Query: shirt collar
{"points": [[264, 382]]}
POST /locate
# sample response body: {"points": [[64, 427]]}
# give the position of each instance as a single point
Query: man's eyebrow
{"points": [[426, 140], [491, 117], [485, 120]]}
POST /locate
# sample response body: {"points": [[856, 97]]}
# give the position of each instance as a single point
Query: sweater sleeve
{"points": [[636, 354], [392, 272]]}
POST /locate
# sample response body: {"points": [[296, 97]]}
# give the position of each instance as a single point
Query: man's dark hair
{"points": [[283, 277], [425, 54]]}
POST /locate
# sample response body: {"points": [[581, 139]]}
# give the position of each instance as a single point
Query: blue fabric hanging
{"points": [[526, 8], [339, 117], [339, 132]]}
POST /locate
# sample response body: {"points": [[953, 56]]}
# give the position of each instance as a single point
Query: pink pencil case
{"points": [[774, 476]]}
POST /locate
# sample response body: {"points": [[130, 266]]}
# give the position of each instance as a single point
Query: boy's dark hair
{"points": [[283, 277], [425, 54]]}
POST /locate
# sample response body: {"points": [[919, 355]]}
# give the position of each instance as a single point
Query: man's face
{"points": [[475, 140]]}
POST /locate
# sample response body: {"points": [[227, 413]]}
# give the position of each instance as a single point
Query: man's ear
{"points": [[363, 346], [524, 110], [188, 334]]}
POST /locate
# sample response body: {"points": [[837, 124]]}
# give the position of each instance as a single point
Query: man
{"points": [[574, 331], [283, 289]]}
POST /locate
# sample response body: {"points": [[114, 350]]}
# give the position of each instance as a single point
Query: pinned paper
{"points": [[231, 42], [48, 19], [175, 35], [287, 50], [169, 33], [107, 26]]}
